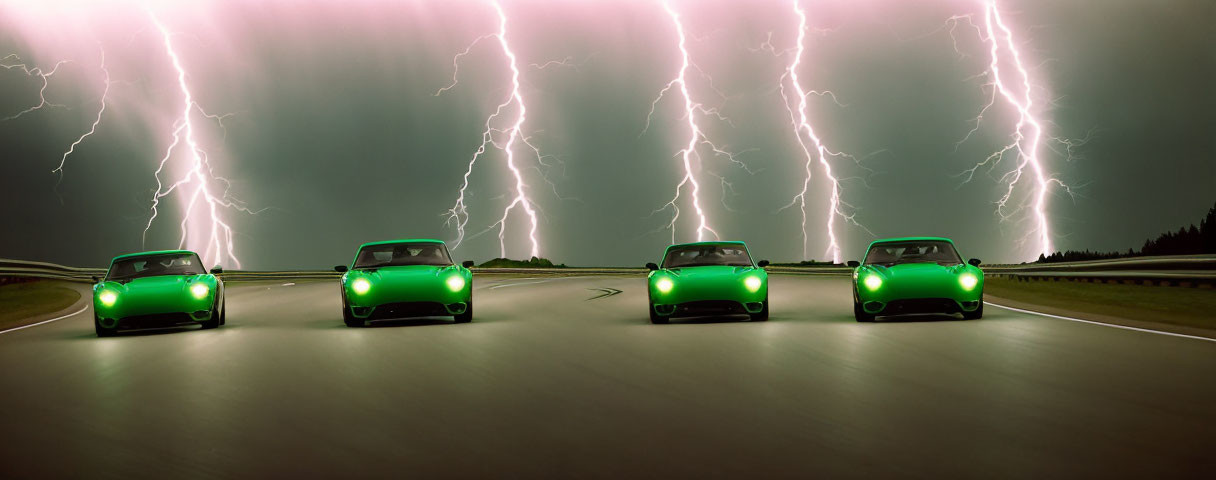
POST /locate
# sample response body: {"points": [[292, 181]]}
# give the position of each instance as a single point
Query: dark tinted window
{"points": [[400, 254], [919, 251], [702, 255], [153, 265]]}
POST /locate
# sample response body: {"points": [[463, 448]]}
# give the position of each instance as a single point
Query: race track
{"points": [[548, 381]]}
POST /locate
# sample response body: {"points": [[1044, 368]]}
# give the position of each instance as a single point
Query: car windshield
{"points": [[153, 265], [401, 254], [704, 255], [919, 251]]}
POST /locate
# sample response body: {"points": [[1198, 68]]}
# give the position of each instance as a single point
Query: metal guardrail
{"points": [[1182, 270]]}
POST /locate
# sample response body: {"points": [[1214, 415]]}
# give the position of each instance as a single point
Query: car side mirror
{"points": [[340, 269], [651, 266], [762, 263], [467, 264], [974, 261], [216, 270], [853, 263]]}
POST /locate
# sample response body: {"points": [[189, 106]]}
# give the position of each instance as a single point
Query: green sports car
{"points": [[707, 278], [916, 275], [405, 278], [157, 289]]}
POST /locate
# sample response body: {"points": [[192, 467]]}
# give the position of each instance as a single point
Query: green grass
{"points": [[22, 302], [1193, 307]]}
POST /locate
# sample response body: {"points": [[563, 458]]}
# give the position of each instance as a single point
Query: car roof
{"points": [[154, 252], [693, 244], [719, 242], [407, 240], [911, 239]]}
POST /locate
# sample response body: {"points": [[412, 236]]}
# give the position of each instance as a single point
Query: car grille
{"points": [[156, 320], [921, 305], [408, 309], [710, 307]]}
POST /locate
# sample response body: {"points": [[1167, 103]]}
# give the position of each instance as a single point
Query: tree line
{"points": [[1186, 241]]}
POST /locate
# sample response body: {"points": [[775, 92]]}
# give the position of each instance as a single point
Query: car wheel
{"points": [[103, 331], [212, 322], [977, 314], [861, 314], [467, 316], [349, 319], [763, 315], [658, 319]]}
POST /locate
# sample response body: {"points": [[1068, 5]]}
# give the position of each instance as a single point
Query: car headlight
{"points": [[873, 282], [968, 281], [108, 298], [664, 285], [199, 291], [360, 286], [752, 284], [455, 282]]}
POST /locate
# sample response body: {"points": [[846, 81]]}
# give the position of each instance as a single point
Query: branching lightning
{"points": [[458, 215], [812, 146], [1015, 89], [96, 121], [43, 75], [197, 183], [696, 137]]}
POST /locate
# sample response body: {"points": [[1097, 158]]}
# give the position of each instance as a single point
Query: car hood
{"points": [[708, 272], [157, 286], [407, 273], [916, 271]]}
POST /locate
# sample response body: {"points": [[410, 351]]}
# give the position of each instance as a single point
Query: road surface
{"points": [[550, 381]]}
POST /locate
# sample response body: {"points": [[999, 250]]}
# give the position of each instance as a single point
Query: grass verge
{"points": [[22, 303], [1189, 307]]}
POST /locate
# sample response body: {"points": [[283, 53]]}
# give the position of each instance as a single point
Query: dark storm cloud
{"points": [[337, 131]]}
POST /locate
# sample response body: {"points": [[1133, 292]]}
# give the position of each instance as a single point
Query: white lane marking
{"points": [[1125, 327], [78, 312], [288, 284]]}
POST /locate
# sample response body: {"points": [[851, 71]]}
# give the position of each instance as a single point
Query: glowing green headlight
{"points": [[873, 282], [199, 291], [360, 286], [455, 282], [108, 298], [752, 284], [968, 281], [664, 285]]}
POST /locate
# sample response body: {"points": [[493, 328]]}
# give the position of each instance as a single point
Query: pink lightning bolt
{"points": [[96, 121], [695, 137], [458, 214], [195, 184], [808, 140], [1016, 89], [42, 75]]}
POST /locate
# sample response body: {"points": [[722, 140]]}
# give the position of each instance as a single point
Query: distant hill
{"points": [[1186, 241], [530, 263]]}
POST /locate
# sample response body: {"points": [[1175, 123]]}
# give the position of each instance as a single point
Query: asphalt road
{"points": [[549, 382]]}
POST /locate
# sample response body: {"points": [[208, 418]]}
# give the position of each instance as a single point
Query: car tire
{"points": [[224, 312], [103, 331], [467, 316], [977, 314], [860, 314], [658, 319], [213, 322], [763, 315], [349, 319]]}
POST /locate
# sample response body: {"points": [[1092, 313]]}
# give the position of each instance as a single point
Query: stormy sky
{"points": [[332, 132]]}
